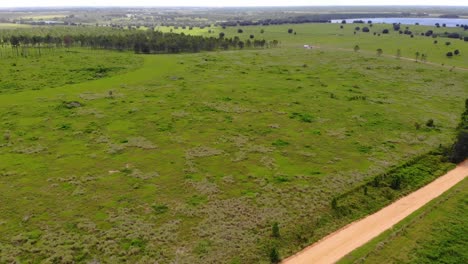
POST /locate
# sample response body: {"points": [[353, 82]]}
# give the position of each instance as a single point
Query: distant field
{"points": [[192, 158], [435, 233], [331, 36], [12, 26], [44, 16]]}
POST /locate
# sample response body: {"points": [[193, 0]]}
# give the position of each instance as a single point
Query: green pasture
{"points": [[191, 158], [331, 36], [13, 26]]}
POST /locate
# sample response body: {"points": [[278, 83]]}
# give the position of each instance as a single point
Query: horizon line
{"points": [[224, 6]]}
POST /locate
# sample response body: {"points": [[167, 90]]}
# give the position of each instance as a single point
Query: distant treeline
{"points": [[312, 18], [145, 42]]}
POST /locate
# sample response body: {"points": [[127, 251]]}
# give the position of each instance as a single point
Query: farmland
{"points": [[194, 157]]}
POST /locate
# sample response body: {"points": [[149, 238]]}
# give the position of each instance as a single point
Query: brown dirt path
{"points": [[338, 244]]}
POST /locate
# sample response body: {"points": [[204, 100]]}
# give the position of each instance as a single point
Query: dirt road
{"points": [[336, 245]]}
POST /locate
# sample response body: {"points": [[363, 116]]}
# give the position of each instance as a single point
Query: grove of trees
{"points": [[145, 42]]}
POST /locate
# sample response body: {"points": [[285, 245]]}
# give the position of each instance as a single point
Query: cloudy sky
{"points": [[36, 3]]}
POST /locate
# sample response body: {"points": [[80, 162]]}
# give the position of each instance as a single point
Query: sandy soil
{"points": [[338, 244]]}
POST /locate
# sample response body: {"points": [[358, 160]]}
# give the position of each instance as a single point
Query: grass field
{"points": [[435, 233], [191, 158], [330, 36], [13, 26], [60, 67]]}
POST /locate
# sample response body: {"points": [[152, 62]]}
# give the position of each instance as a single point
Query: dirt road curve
{"points": [[336, 245]]}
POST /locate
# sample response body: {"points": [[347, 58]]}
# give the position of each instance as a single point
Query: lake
{"points": [[426, 21]]}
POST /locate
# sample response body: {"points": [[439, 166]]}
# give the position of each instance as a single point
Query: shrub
{"points": [[365, 29], [160, 209], [385, 31], [306, 118], [453, 35], [396, 183], [280, 143], [274, 255], [456, 52], [449, 54], [275, 230], [430, 123], [460, 148], [379, 52], [334, 203]]}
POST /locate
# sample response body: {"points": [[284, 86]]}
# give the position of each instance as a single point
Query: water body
{"points": [[450, 22]]}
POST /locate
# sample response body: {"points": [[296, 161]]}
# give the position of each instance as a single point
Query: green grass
{"points": [[13, 26], [59, 67], [434, 233], [194, 156], [330, 36]]}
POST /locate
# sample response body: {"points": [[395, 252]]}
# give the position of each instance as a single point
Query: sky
{"points": [[219, 3]]}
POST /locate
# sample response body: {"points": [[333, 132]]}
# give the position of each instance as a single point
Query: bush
{"points": [[449, 54], [430, 123], [275, 230], [460, 148], [365, 29], [274, 255], [385, 31], [417, 125], [280, 143], [334, 203], [453, 35], [379, 52], [456, 52]]}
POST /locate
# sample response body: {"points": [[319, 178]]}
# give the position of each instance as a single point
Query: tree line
{"points": [[310, 18], [141, 42]]}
